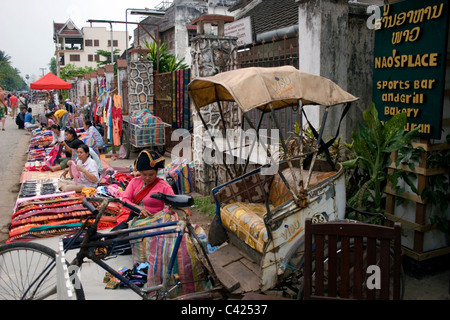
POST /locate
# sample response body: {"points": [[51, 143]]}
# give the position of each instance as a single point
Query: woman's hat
{"points": [[149, 160]]}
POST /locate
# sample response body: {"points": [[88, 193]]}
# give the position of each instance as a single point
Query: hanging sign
{"points": [[242, 29], [410, 61]]}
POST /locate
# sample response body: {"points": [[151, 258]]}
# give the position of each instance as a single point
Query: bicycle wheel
{"points": [[351, 268], [28, 272], [202, 255]]}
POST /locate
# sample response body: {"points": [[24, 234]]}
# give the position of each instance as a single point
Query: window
{"points": [[88, 43], [90, 58], [115, 43], [191, 34], [74, 57], [96, 43], [97, 57]]}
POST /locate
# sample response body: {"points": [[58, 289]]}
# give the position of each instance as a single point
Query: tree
{"points": [[107, 55], [167, 61], [70, 71], [10, 79], [52, 66]]}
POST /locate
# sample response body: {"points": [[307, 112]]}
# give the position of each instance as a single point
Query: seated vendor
{"points": [[92, 131], [84, 171], [140, 188], [70, 144], [30, 123], [58, 135]]}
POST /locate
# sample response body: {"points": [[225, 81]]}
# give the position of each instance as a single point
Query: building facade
{"points": [[79, 46]]}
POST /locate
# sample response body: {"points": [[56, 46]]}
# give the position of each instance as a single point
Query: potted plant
{"points": [[370, 154]]}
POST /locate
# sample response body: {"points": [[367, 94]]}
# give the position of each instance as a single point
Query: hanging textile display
{"points": [[181, 100], [117, 119]]}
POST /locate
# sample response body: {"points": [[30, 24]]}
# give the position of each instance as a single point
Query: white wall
{"points": [[96, 33]]}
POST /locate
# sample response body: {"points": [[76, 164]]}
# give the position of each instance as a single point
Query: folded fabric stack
{"points": [[51, 215], [146, 129], [43, 139], [34, 165], [37, 154], [141, 116], [180, 171]]}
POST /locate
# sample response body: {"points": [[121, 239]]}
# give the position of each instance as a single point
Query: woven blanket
{"points": [[49, 216], [180, 171], [147, 130], [157, 251], [39, 175]]}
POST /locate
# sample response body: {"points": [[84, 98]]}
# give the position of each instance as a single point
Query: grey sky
{"points": [[26, 26]]}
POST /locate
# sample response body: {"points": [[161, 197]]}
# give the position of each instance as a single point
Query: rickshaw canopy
{"points": [[256, 87]]}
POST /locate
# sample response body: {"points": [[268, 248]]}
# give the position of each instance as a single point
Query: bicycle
{"points": [[27, 270]]}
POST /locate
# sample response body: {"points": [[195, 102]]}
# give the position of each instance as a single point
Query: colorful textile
{"points": [[181, 100], [246, 220], [43, 139], [180, 171], [157, 251], [146, 129], [53, 215]]}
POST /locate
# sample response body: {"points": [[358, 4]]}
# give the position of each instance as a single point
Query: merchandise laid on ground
{"points": [[42, 212]]}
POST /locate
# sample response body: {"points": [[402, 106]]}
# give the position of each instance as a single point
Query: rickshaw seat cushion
{"points": [[279, 192], [246, 221]]}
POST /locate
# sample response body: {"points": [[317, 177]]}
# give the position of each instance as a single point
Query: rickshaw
{"points": [[260, 214]]}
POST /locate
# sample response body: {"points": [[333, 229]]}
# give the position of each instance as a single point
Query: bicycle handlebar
{"points": [[89, 206], [177, 201], [131, 207]]}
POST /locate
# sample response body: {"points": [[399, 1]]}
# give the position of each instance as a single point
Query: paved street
{"points": [[13, 154]]}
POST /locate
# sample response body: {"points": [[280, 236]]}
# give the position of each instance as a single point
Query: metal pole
{"points": [[112, 44]]}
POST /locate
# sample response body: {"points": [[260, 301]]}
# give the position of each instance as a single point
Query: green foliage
{"points": [[167, 61], [10, 79], [437, 188], [371, 147], [107, 55], [70, 71], [205, 205], [52, 66]]}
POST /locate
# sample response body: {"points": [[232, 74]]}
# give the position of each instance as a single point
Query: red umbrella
{"points": [[49, 82]]}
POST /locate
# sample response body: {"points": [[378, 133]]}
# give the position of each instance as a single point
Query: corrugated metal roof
{"points": [[272, 15]]}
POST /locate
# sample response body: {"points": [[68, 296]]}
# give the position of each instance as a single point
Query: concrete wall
{"points": [[335, 42]]}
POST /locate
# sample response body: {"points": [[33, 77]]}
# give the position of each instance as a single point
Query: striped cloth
{"points": [[157, 251], [180, 171], [146, 129]]}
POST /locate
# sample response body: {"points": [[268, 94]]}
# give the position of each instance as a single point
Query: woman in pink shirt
{"points": [[140, 188]]}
